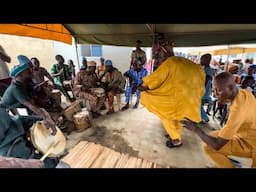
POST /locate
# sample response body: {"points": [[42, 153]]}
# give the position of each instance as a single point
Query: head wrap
{"points": [[84, 59], [108, 62], [24, 63], [91, 63]]}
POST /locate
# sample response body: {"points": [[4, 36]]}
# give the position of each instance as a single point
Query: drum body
{"points": [[47, 87], [99, 92], [72, 109], [82, 120], [56, 95], [42, 139]]}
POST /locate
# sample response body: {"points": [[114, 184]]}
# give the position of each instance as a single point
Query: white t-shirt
{"points": [[4, 69]]}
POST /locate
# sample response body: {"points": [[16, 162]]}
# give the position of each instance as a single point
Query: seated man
{"points": [[11, 162], [113, 84], [237, 137], [39, 72], [101, 68], [61, 73], [5, 79], [135, 76], [42, 89], [72, 69], [84, 82], [84, 64], [13, 132]]}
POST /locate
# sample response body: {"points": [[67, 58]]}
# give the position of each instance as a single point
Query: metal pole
{"points": [[78, 63], [153, 43], [226, 66]]}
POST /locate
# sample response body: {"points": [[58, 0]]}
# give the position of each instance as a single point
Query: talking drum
{"points": [[82, 120], [71, 110], [99, 92], [43, 141], [56, 95]]}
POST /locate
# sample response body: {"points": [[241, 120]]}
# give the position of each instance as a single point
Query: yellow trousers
{"points": [[173, 128], [236, 147]]}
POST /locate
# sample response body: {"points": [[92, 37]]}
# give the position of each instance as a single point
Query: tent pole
{"points": [[77, 53], [226, 66], [154, 39]]}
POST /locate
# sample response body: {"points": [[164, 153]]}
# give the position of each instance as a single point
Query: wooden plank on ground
{"points": [[73, 152], [90, 155], [131, 162], [101, 158], [122, 161], [85, 154], [111, 160], [79, 156]]}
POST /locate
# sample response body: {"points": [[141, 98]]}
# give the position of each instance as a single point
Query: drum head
{"points": [[42, 139]]}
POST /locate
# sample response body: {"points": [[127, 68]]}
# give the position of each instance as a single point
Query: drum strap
{"points": [[17, 140], [13, 144]]}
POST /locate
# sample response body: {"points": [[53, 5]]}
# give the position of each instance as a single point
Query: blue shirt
{"points": [[136, 77]]}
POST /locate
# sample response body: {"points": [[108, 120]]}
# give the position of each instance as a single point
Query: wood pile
{"points": [[90, 155]]}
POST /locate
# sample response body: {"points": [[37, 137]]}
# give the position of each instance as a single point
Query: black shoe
{"points": [[136, 106], [103, 107], [125, 107], [95, 114], [170, 144], [167, 136], [110, 112]]}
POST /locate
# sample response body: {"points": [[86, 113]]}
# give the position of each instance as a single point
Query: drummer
{"points": [[44, 98], [61, 72], [85, 80], [39, 72], [14, 128]]}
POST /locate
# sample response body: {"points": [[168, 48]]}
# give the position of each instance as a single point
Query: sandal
{"points": [[170, 144], [110, 112]]}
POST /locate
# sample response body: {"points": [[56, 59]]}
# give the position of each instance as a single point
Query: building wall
{"points": [[30, 47], [67, 51], [120, 56], [45, 51]]}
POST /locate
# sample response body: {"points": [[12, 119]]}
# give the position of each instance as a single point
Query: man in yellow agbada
{"points": [[238, 136], [173, 91]]}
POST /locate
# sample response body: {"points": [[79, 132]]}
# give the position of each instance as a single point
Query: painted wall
{"points": [[67, 51], [31, 47], [45, 51], [120, 56]]}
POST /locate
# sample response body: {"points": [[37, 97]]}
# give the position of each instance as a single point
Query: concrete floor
{"points": [[140, 133]]}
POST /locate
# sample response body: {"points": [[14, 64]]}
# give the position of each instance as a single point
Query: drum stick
{"points": [[52, 146]]}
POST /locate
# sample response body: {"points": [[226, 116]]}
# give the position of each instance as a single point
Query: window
{"points": [[96, 50]]}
